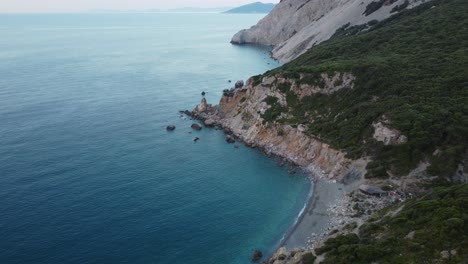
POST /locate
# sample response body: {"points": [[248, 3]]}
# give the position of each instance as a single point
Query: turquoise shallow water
{"points": [[88, 173]]}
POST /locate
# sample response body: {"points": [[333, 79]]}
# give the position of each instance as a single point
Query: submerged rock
{"points": [[196, 126], [230, 139], [196, 139], [257, 255], [170, 128]]}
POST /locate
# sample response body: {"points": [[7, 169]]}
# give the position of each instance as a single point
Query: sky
{"points": [[9, 6]]}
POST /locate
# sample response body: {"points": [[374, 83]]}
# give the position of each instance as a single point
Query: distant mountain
{"points": [[256, 7], [199, 9]]}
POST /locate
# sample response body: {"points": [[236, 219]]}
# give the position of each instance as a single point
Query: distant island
{"points": [[199, 10], [173, 10], [256, 7]]}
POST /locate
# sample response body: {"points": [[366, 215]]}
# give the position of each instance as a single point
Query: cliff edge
{"points": [[241, 112], [294, 26]]}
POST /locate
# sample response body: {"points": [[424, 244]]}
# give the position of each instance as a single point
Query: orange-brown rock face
{"points": [[241, 112]]}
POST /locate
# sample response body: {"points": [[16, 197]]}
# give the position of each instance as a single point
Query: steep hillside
{"points": [[408, 102], [256, 7], [388, 100], [296, 25], [395, 92], [431, 229]]}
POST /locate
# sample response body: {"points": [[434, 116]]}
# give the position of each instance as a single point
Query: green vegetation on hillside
{"points": [[411, 69], [419, 233]]}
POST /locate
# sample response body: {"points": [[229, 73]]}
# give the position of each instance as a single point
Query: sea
{"points": [[88, 171]]}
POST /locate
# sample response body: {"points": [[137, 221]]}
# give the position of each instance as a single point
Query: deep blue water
{"points": [[88, 173]]}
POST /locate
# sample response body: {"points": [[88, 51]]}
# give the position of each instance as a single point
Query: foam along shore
{"points": [[318, 218]]}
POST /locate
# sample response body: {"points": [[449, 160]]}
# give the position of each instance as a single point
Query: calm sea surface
{"points": [[88, 173]]}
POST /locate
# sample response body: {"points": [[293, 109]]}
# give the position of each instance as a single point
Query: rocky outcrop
{"points": [[388, 136], [209, 122], [294, 26], [203, 106], [240, 113], [326, 83], [230, 139], [239, 84], [461, 174]]}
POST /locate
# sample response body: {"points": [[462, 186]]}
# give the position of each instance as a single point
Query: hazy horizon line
{"points": [[147, 10]]}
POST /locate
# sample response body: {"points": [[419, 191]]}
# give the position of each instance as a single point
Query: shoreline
{"points": [[326, 209], [318, 218]]}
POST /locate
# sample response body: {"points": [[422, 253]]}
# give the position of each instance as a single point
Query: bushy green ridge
{"points": [[411, 68], [439, 221]]}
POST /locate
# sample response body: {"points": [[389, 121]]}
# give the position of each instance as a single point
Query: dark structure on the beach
{"points": [[371, 190]]}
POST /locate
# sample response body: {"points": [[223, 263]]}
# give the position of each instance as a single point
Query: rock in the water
{"points": [[196, 139], [196, 126], [230, 139], [257, 255], [239, 84], [170, 128], [209, 122]]}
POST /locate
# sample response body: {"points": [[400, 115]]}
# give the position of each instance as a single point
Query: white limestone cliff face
{"points": [[294, 26], [286, 19]]}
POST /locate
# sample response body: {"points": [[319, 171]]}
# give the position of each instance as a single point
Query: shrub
{"points": [[308, 258]]}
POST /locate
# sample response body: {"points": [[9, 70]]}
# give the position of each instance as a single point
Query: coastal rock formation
{"points": [[294, 26], [170, 128], [230, 139], [240, 113], [209, 122], [239, 84], [203, 106]]}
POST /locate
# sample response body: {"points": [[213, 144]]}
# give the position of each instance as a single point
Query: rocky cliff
{"points": [[378, 93], [294, 26], [241, 112]]}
